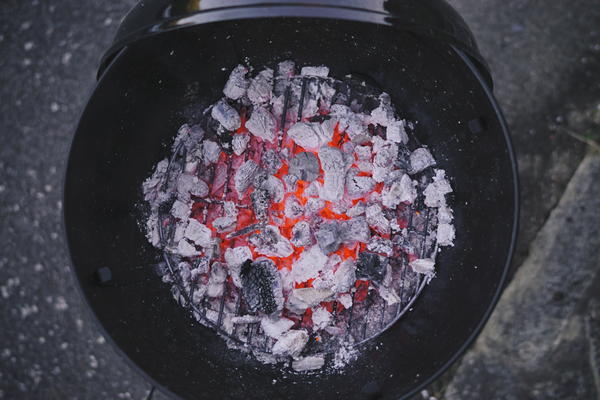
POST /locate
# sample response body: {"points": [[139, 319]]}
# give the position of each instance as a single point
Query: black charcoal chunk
{"points": [[329, 236], [261, 285], [371, 266], [305, 166]]}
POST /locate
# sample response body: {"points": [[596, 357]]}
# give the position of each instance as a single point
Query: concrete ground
{"points": [[542, 341]]}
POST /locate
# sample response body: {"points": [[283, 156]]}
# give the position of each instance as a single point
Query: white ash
{"points": [[259, 91], [396, 132], [198, 233], [291, 343], [293, 209], [303, 298], [423, 266], [358, 209], [380, 245], [305, 166], [271, 243], [186, 249], [358, 186], [309, 264], [181, 210], [301, 234], [275, 188], [224, 224], [310, 135], [262, 124], [420, 159], [383, 162], [210, 152], [275, 326], [313, 189], [355, 230], [216, 286], [244, 176], [445, 234], [321, 317], [313, 206], [315, 71], [345, 276], [235, 257], [246, 319], [377, 220], [401, 191], [308, 363], [384, 113], [354, 124], [240, 143], [345, 300], [329, 236], [445, 215], [436, 191], [237, 84], [227, 116], [332, 162]]}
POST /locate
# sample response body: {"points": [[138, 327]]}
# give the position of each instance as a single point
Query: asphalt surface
{"points": [[545, 61]]}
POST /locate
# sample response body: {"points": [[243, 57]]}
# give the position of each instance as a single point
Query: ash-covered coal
{"points": [[296, 204]]}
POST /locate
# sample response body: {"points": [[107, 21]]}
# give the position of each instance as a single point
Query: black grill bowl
{"points": [[157, 82]]}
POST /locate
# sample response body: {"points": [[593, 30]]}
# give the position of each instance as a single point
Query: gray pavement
{"points": [[545, 57]]}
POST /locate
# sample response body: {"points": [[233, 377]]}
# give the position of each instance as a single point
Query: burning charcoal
{"points": [[363, 153], [224, 224], [152, 185], [315, 71], [420, 159], [286, 69], [445, 215], [230, 209], [310, 135], [384, 114], [401, 191], [326, 92], [308, 363], [305, 166], [240, 143], [260, 203], [262, 124], [227, 116], [200, 266], [321, 318], [181, 210], [237, 84], [355, 230], [290, 182], [377, 220], [190, 136], [290, 343], [261, 286], [353, 124], [186, 184], [301, 235], [332, 162], [396, 132], [234, 258], [313, 189], [436, 191], [259, 91], [380, 245], [216, 281], [356, 210], [293, 209], [371, 266], [445, 234], [303, 298], [274, 326], [271, 161], [275, 188], [244, 176], [309, 264], [329, 236], [313, 206], [210, 152], [345, 276], [383, 162], [357, 186], [423, 266], [198, 233], [271, 243], [185, 249]]}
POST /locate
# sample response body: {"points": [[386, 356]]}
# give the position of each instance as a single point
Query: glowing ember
{"points": [[289, 204]]}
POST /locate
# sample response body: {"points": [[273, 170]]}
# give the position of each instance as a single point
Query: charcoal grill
{"points": [[168, 63]]}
